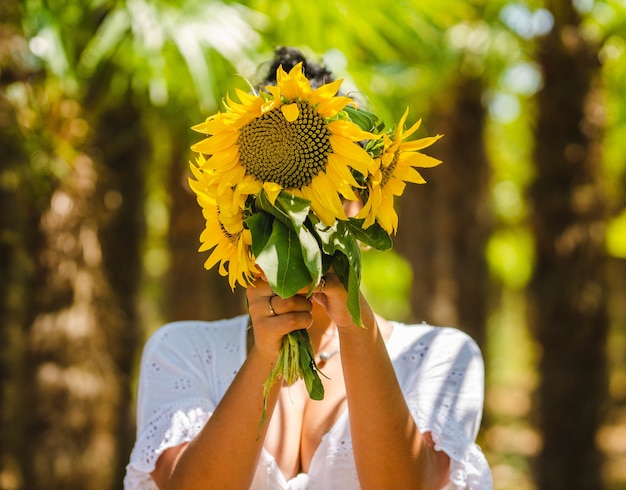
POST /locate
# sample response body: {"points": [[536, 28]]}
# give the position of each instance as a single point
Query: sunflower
{"points": [[394, 168], [224, 231], [289, 138]]}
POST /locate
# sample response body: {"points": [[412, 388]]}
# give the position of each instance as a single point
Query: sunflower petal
{"points": [[290, 111], [356, 156], [411, 175], [420, 160], [272, 189], [325, 91], [214, 143], [420, 144], [400, 126], [350, 131], [332, 107]]}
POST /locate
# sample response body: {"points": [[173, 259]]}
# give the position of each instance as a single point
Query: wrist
{"points": [[368, 323], [263, 357]]}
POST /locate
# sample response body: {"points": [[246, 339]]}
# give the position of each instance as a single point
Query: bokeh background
{"points": [[519, 238]]}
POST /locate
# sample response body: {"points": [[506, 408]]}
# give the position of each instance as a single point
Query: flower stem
{"points": [[296, 360]]}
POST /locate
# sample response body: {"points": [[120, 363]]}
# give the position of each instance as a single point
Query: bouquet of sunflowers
{"points": [[271, 177]]}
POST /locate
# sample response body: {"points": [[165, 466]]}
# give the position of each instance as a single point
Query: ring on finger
{"points": [[269, 303], [322, 284]]}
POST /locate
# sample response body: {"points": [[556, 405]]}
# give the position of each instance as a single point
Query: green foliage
{"points": [[294, 249], [290, 256], [386, 282], [509, 254], [616, 236]]}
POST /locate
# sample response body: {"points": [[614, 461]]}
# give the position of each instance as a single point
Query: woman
{"points": [[401, 410]]}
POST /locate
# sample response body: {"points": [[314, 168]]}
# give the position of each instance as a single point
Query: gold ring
{"points": [[269, 302], [322, 284]]}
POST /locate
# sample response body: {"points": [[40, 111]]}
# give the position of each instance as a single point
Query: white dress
{"points": [[187, 367]]}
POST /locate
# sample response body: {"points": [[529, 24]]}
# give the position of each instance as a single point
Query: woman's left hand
{"points": [[333, 297]]}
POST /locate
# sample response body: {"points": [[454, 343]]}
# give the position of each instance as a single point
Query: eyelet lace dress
{"points": [[187, 367]]}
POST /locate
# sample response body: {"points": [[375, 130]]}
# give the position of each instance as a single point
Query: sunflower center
{"points": [[388, 171], [291, 154], [233, 239]]}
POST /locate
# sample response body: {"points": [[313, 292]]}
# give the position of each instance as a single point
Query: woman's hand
{"points": [[333, 297], [274, 317]]}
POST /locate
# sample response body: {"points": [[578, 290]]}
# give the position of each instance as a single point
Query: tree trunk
{"points": [[124, 150], [80, 335], [13, 302], [568, 291], [445, 224], [73, 379], [17, 212]]}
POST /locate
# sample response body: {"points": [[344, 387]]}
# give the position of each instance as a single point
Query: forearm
{"points": [[389, 450], [233, 429]]}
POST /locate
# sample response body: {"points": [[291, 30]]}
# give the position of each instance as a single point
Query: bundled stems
{"points": [[296, 360]]}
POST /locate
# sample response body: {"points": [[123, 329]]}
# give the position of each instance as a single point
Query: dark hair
{"points": [[289, 57]]}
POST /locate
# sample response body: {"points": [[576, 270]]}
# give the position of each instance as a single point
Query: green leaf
{"points": [[375, 236], [260, 226], [339, 238], [282, 262], [293, 211], [339, 242], [367, 121], [312, 256], [349, 272], [328, 236], [308, 370]]}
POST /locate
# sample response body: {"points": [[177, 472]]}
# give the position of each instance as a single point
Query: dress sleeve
{"points": [[446, 398], [174, 399]]}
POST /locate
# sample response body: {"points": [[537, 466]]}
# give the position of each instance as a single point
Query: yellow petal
{"points": [[395, 187], [325, 91], [419, 160], [216, 123], [268, 106], [350, 131], [419, 144], [290, 111], [247, 186], [355, 156], [410, 175], [230, 178], [369, 209], [216, 143], [272, 189], [324, 199], [400, 127], [294, 84], [245, 97], [339, 172], [332, 107]]}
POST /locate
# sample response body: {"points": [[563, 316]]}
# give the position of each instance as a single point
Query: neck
{"points": [[327, 346]]}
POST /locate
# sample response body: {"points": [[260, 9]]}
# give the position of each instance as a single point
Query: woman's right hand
{"points": [[274, 317]]}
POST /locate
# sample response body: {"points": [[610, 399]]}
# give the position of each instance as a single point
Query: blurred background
{"points": [[519, 238]]}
